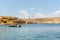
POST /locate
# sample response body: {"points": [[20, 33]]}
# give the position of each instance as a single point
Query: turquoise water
{"points": [[31, 32]]}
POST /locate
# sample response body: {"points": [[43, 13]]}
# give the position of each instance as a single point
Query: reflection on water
{"points": [[31, 32]]}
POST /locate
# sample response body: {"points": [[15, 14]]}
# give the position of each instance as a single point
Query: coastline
{"points": [[9, 20]]}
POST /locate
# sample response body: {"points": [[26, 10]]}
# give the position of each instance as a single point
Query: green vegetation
{"points": [[4, 21], [12, 18]]}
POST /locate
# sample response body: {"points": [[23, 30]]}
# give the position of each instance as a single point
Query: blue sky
{"points": [[27, 8]]}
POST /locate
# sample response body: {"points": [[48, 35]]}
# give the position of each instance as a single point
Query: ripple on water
{"points": [[30, 33]]}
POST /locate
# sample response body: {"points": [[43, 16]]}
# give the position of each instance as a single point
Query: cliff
{"points": [[44, 20], [10, 20], [16, 20], [48, 20]]}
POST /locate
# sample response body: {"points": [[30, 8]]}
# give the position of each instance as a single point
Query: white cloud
{"points": [[39, 15], [55, 14], [24, 14], [42, 15], [32, 8]]}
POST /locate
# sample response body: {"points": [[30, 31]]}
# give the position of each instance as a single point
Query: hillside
{"points": [[16, 20], [10, 20], [44, 20], [48, 20]]}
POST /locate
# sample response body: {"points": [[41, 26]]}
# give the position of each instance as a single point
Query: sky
{"points": [[30, 8]]}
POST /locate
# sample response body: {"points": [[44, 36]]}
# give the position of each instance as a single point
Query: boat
{"points": [[14, 25]]}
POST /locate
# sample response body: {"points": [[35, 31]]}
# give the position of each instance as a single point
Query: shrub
{"points": [[4, 21], [12, 18]]}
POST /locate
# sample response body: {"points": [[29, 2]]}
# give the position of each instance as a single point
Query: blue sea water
{"points": [[31, 32]]}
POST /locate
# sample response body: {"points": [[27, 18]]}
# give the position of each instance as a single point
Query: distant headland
{"points": [[16, 20]]}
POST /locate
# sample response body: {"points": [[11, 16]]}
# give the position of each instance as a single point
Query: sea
{"points": [[30, 32]]}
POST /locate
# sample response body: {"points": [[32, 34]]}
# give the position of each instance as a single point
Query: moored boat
{"points": [[14, 25]]}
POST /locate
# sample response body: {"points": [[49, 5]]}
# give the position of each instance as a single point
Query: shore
{"points": [[9, 20]]}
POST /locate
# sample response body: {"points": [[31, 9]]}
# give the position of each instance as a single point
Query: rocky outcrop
{"points": [[44, 20], [15, 20], [10, 20], [48, 20]]}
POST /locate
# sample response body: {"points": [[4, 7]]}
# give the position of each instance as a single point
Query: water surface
{"points": [[31, 32]]}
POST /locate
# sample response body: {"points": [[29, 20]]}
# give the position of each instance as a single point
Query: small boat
{"points": [[14, 25]]}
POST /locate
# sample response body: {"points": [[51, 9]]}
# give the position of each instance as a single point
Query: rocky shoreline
{"points": [[9, 20]]}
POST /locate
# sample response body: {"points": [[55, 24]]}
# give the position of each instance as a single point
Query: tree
{"points": [[4, 21], [12, 18]]}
